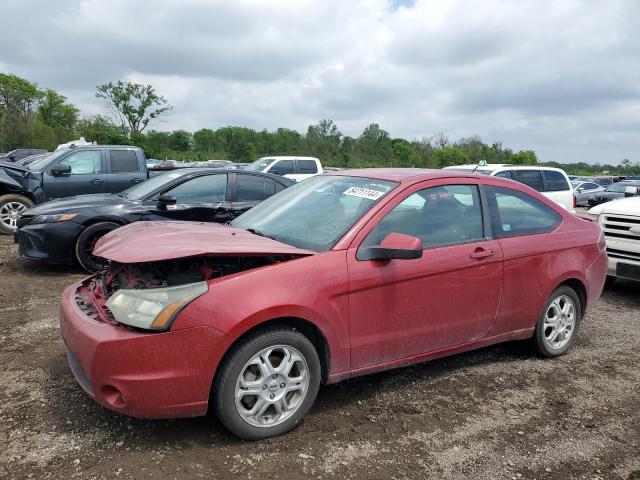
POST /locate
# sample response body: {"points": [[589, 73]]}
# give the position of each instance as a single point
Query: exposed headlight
{"points": [[154, 308], [64, 217]]}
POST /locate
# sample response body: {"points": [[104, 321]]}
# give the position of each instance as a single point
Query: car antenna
{"points": [[481, 163]]}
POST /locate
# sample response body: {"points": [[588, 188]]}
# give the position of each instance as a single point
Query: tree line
{"points": [[36, 117]]}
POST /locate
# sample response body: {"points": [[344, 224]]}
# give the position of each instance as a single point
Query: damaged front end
{"points": [[148, 296]]}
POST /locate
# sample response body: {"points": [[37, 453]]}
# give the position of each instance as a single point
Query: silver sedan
{"points": [[584, 191]]}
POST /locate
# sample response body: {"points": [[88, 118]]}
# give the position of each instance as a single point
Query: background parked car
{"points": [[553, 183], [295, 168], [63, 231], [619, 220], [67, 172], [19, 154], [585, 191], [616, 190]]}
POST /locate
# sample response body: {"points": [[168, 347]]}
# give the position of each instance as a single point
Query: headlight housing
{"points": [[153, 309], [64, 217]]}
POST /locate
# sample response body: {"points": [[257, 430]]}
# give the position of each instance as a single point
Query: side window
{"points": [[279, 187], [283, 167], [253, 187], [554, 181], [505, 174], [443, 215], [307, 166], [84, 162], [123, 161], [515, 213], [533, 178], [204, 189], [591, 186]]}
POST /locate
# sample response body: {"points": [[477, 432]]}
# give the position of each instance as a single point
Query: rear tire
{"points": [[266, 384], [559, 322], [12, 206], [87, 240]]}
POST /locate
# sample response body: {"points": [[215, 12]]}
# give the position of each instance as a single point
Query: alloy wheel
{"points": [[272, 386], [559, 322], [10, 212]]}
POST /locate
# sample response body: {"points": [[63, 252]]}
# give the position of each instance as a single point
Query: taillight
{"points": [[602, 243]]}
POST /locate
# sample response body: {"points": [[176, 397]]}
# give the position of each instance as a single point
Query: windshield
{"points": [[316, 213], [143, 189], [260, 164], [41, 163], [618, 187]]}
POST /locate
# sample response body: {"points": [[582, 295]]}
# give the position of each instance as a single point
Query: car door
{"points": [[524, 227], [306, 169], [450, 296], [284, 168], [202, 198], [248, 190], [124, 169], [87, 175]]}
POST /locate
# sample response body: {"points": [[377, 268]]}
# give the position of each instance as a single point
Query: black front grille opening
{"points": [[622, 235], [623, 220]]}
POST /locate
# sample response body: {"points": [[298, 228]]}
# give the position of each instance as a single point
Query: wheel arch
{"points": [[311, 331], [581, 290]]}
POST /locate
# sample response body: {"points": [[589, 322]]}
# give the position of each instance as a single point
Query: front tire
{"points": [[87, 240], [558, 325], [11, 207], [267, 384]]}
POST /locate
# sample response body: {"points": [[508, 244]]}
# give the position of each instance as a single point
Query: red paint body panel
{"points": [[152, 241], [374, 315], [160, 375]]}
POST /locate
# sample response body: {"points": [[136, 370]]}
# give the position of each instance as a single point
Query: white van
{"points": [[295, 168], [553, 183]]}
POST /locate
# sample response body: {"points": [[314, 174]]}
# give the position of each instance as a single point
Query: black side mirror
{"points": [[58, 170], [395, 246], [165, 200], [12, 158]]}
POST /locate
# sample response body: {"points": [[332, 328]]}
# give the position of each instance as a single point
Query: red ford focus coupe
{"points": [[337, 276]]}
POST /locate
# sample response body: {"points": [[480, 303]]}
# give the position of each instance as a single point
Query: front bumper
{"points": [[48, 242], [149, 375], [624, 268]]}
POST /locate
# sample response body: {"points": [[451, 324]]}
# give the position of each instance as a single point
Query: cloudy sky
{"points": [[561, 77]]}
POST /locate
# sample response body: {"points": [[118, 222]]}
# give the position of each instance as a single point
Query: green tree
{"points": [[18, 100], [180, 140], [524, 157], [132, 105], [101, 130], [447, 156]]}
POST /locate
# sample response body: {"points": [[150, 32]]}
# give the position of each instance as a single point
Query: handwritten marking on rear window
{"points": [[363, 193]]}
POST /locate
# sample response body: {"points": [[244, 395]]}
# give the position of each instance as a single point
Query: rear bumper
{"points": [[596, 275], [48, 242], [149, 375]]}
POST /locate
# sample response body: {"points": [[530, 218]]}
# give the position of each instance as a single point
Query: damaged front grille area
{"points": [[92, 295]]}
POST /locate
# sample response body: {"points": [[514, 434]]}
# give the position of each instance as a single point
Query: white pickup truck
{"points": [[295, 168], [619, 220]]}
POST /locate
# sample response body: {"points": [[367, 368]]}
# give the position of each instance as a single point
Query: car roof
{"points": [[288, 157], [198, 170], [402, 174], [498, 166]]}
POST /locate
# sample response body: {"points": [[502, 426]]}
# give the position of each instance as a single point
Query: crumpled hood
{"points": [[154, 241]]}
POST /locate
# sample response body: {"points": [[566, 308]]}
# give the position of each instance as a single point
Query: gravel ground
{"points": [[497, 413]]}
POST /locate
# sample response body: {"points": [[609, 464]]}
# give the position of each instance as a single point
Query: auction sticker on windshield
{"points": [[363, 193]]}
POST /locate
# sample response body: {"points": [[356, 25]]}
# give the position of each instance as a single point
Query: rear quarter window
{"points": [[554, 181], [515, 213], [533, 178], [307, 166], [123, 161]]}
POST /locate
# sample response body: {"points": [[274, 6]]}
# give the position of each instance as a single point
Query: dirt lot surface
{"points": [[497, 413]]}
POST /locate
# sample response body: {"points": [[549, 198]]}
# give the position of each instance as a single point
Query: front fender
{"points": [[9, 182]]}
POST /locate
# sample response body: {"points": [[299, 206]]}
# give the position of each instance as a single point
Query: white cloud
{"points": [[562, 78]]}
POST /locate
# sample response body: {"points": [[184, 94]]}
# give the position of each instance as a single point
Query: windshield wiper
{"points": [[255, 231]]}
